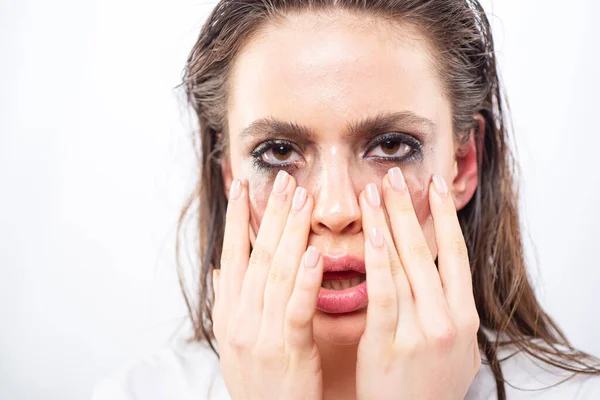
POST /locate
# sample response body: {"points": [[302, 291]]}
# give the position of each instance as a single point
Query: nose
{"points": [[336, 203]]}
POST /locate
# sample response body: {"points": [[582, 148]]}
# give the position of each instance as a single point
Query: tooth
{"points": [[341, 284]]}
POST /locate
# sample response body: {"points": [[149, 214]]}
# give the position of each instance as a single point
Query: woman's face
{"points": [[345, 98]]}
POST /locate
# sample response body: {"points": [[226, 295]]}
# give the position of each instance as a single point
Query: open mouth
{"points": [[341, 280]]}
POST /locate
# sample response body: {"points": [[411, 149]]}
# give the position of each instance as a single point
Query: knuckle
{"points": [[472, 324], [444, 337], [396, 266], [237, 337], [279, 274], [236, 342], [384, 301], [260, 256], [296, 319], [412, 346], [461, 251], [404, 207], [227, 254], [420, 251]]}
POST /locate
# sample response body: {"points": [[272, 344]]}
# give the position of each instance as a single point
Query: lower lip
{"points": [[343, 301]]}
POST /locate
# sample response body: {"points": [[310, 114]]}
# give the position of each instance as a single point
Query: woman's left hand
{"points": [[420, 340]]}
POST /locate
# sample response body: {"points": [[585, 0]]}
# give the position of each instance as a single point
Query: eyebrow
{"points": [[380, 123]]}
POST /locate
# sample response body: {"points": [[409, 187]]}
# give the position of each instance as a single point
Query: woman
{"points": [[358, 214]]}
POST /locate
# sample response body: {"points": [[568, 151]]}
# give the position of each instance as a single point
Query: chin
{"points": [[343, 329]]}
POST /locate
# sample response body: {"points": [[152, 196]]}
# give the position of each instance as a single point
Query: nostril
{"points": [[352, 227]]}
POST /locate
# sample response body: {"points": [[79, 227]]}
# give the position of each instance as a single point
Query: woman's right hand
{"points": [[265, 302]]}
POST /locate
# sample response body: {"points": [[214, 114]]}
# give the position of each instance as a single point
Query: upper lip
{"points": [[344, 263]]}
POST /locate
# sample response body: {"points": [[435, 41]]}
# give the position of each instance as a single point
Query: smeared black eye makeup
{"points": [[277, 154], [274, 155], [395, 147]]}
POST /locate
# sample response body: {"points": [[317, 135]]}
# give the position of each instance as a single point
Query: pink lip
{"points": [[347, 300]]}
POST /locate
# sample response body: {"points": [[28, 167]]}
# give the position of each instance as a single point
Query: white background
{"points": [[95, 162]]}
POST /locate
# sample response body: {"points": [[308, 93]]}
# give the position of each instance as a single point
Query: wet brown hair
{"points": [[460, 34]]}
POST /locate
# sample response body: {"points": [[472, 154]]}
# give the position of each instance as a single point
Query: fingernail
{"points": [[376, 237], [312, 257], [440, 184], [281, 181], [299, 198], [372, 195], [397, 179], [236, 190]]}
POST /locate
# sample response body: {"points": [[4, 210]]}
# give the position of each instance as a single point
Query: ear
{"points": [[225, 170], [465, 166]]}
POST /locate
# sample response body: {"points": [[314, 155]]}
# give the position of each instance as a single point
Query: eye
{"points": [[276, 153], [391, 148]]}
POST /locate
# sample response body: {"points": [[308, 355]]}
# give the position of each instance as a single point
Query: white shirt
{"points": [[186, 371]]}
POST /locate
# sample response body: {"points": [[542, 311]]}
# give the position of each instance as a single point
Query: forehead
{"points": [[328, 70]]}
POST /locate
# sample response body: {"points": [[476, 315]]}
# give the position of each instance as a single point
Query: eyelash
{"points": [[415, 154], [266, 146]]}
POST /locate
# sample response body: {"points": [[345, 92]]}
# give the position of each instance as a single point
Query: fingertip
{"points": [[440, 185], [311, 276], [310, 200], [434, 197], [362, 199], [440, 202], [312, 257], [386, 184]]}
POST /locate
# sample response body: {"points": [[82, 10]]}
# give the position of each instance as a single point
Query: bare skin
{"points": [[417, 337]]}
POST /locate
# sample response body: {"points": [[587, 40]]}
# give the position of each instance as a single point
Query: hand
{"points": [[420, 340], [264, 306]]}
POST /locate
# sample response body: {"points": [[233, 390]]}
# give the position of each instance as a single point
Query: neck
{"points": [[339, 370]]}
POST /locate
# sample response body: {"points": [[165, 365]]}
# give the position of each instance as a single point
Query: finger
{"points": [[374, 215], [284, 267], [301, 308], [215, 284], [382, 310], [215, 314], [236, 246], [269, 234], [453, 257], [413, 250]]}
